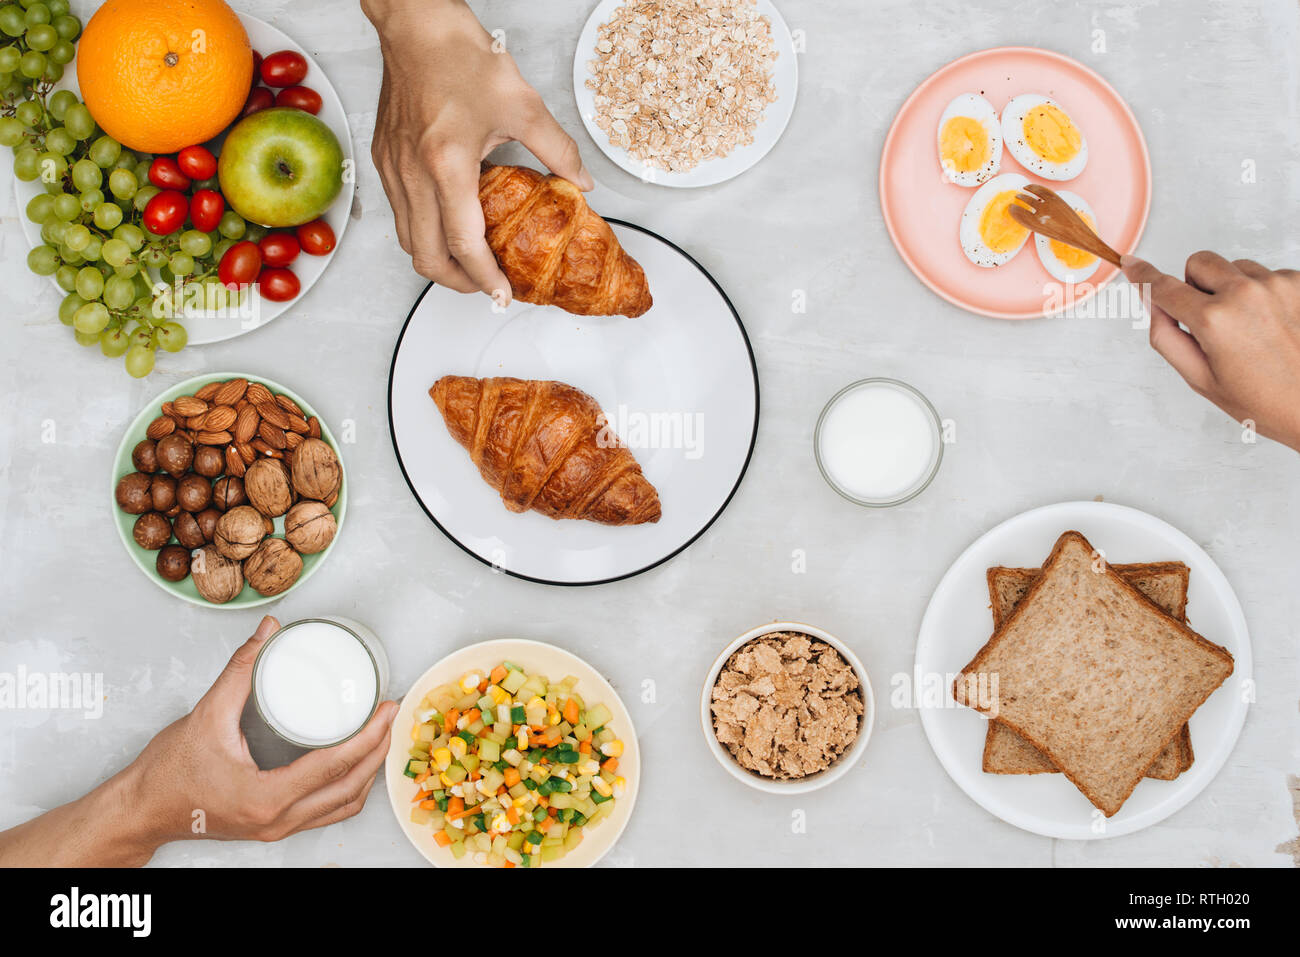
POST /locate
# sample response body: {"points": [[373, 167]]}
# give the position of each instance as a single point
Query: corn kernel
{"points": [[442, 758], [620, 786], [602, 786], [498, 694], [446, 781], [458, 747], [612, 749], [501, 824], [589, 766]]}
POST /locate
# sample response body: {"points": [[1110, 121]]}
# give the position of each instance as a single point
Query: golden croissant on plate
{"points": [[545, 446], [554, 250]]}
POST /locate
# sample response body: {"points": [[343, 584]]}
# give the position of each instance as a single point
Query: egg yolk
{"points": [[1051, 134], [1070, 257], [1000, 232], [964, 144]]}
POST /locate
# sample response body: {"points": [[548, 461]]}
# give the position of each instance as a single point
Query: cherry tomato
{"points": [[285, 68], [299, 98], [316, 238], [279, 249], [165, 173], [196, 162], [257, 65], [166, 212], [259, 98], [240, 265], [206, 208], [278, 285]]}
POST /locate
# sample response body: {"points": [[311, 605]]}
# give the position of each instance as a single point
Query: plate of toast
{"points": [[1086, 670], [597, 425]]}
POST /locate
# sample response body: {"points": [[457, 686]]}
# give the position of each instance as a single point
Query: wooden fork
{"points": [[1045, 212]]}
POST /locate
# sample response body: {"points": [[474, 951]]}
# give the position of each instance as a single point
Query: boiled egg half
{"points": [[1043, 138], [989, 236], [1065, 263], [970, 141]]}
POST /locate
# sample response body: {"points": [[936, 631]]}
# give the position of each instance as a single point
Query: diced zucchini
{"points": [[513, 681], [598, 716]]}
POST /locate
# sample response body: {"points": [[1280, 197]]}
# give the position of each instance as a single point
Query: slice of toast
{"points": [[1165, 583], [1092, 673]]}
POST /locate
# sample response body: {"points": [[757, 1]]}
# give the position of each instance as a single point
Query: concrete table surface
{"points": [[1046, 411]]}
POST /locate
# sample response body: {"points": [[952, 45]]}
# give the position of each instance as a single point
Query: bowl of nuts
{"points": [[228, 490]]}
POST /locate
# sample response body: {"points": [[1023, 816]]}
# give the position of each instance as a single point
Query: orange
{"points": [[160, 75]]}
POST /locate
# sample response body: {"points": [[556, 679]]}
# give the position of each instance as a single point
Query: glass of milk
{"points": [[879, 442], [316, 682]]}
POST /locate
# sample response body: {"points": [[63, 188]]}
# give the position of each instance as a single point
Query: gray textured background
{"points": [[1046, 412]]}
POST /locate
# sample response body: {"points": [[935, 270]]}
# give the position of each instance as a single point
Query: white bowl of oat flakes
{"points": [[787, 708], [685, 93]]}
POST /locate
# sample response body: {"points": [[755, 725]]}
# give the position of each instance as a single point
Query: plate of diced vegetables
{"points": [[513, 753]]}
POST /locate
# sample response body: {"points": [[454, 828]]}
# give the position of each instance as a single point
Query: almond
{"points": [[160, 427], [265, 448], [231, 392], [292, 440], [188, 405], [298, 424], [289, 405], [220, 419], [208, 391], [274, 437], [313, 427], [210, 437], [246, 423], [272, 413], [168, 409], [258, 393], [234, 462], [196, 422], [246, 452]]}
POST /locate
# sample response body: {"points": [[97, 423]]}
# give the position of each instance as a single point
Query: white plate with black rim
{"points": [[203, 328], [678, 385], [957, 623], [785, 77]]}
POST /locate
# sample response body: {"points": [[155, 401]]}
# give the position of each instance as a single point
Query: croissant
{"points": [[545, 446], [554, 250]]}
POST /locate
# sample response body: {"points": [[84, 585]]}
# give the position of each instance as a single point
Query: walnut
{"points": [[273, 567], [175, 454], [239, 532], [267, 487], [217, 578], [152, 531], [133, 495], [316, 470], [310, 527]]}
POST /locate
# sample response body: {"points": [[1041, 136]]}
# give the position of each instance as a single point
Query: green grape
{"points": [[154, 257], [53, 72], [38, 13], [10, 56], [68, 27], [66, 207], [29, 113], [142, 170], [91, 318], [79, 122], [255, 233], [41, 37], [130, 234], [66, 277], [43, 260], [142, 196], [59, 102], [13, 22], [142, 334], [105, 151], [196, 243], [108, 215], [32, 65], [93, 249], [62, 52], [122, 183], [90, 283], [68, 308], [139, 361], [212, 184], [78, 238], [47, 232], [114, 342], [58, 8], [86, 339], [91, 200], [86, 175], [27, 164], [57, 229], [119, 292], [129, 269], [41, 209], [11, 131], [12, 88], [232, 225], [60, 141], [53, 168], [181, 264], [220, 249], [126, 160], [172, 336]]}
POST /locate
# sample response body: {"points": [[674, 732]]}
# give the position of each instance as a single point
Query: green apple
{"points": [[280, 167]]}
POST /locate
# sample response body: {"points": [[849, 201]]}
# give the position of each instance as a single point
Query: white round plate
{"points": [[678, 385], [711, 172], [957, 623], [534, 657], [202, 328]]}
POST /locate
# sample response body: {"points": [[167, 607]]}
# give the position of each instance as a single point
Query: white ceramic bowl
{"points": [[813, 781]]}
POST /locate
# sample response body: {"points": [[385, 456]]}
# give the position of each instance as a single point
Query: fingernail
{"points": [[585, 179]]}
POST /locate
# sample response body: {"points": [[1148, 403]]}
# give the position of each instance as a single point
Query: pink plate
{"points": [[922, 211]]}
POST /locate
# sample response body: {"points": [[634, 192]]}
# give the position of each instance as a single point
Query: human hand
{"points": [[449, 97], [1241, 349]]}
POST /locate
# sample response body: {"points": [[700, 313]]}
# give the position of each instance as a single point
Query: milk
{"points": [[878, 442], [317, 682]]}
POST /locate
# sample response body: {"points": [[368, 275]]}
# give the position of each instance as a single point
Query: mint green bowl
{"points": [[147, 560]]}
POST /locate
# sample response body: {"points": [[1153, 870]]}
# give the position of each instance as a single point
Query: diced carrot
{"points": [[482, 686], [552, 812], [474, 775], [508, 864], [611, 765], [464, 812], [498, 673], [584, 747], [420, 795], [511, 776], [571, 711], [512, 814], [552, 736], [442, 838], [422, 775], [455, 804], [429, 805], [449, 721], [544, 824], [472, 715]]}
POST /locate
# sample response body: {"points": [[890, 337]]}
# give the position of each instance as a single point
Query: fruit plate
{"points": [[957, 623], [678, 385], [217, 328], [711, 172], [145, 559], [534, 657], [922, 212]]}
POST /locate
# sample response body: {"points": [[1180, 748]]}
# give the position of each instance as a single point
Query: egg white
{"points": [[1013, 132], [972, 243], [1059, 270], [982, 111]]}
